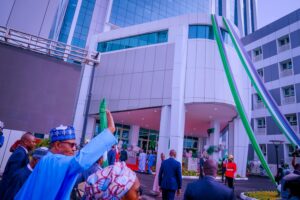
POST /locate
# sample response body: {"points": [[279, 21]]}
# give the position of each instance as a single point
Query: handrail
{"points": [[48, 47]]}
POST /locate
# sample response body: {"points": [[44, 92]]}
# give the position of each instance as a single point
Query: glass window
{"points": [[258, 99], [286, 65], [260, 72], [288, 91], [261, 122], [133, 41], [193, 31], [263, 148], [150, 10], [245, 17], [284, 41], [257, 51], [292, 119]]}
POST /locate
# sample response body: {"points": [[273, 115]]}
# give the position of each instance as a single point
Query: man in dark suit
{"points": [[17, 160], [208, 188], [170, 178], [111, 156]]}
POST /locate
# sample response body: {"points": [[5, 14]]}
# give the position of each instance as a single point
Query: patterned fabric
{"points": [[113, 182], [62, 133]]}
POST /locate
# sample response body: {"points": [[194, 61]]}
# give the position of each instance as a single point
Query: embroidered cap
{"points": [[112, 182], [62, 133], [40, 152]]}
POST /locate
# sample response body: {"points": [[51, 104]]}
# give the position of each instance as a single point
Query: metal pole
{"points": [[276, 151], [86, 115]]}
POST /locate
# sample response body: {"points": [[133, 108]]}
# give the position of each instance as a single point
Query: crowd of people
{"points": [[27, 176], [56, 172]]}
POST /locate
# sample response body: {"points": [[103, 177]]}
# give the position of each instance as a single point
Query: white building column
{"points": [[214, 137], [241, 143], [134, 136], [178, 34], [164, 133], [163, 140]]}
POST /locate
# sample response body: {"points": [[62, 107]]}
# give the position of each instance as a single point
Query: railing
{"points": [[48, 47], [257, 58], [289, 100], [259, 105], [286, 72], [284, 47], [260, 131]]}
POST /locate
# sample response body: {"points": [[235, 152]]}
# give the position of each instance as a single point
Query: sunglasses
{"points": [[71, 144]]}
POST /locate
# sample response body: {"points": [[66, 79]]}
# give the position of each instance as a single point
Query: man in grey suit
{"points": [[208, 188], [170, 178]]}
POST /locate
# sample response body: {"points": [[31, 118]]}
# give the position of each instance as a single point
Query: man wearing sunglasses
{"points": [[56, 174]]}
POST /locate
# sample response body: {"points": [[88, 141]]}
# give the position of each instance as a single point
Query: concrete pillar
{"points": [[177, 130], [164, 134], [134, 136], [214, 137], [178, 34], [163, 140], [241, 142]]}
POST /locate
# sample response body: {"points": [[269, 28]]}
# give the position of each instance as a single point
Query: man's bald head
{"points": [[28, 141], [173, 153], [210, 168]]}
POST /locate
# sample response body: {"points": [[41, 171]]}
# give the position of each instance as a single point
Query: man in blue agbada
{"points": [[55, 175]]}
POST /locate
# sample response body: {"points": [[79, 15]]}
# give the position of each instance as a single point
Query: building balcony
{"points": [[259, 105], [284, 47], [287, 72], [257, 58], [288, 100], [260, 131]]}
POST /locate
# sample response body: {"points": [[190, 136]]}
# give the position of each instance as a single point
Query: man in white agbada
{"points": [[142, 161]]}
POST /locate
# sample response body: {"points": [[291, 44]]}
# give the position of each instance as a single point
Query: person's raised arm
{"points": [[91, 152]]}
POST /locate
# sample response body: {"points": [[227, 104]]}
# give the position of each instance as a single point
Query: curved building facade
{"points": [[168, 76]]}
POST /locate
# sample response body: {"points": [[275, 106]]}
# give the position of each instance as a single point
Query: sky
{"points": [[271, 10]]}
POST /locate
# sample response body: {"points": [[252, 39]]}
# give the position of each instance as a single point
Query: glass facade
{"points": [[130, 12], [220, 7], [148, 139], [122, 133], [245, 17], [190, 144], [67, 22], [236, 20], [206, 32], [252, 15], [133, 41], [83, 23]]}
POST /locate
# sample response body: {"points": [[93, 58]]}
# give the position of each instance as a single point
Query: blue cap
{"points": [[40, 152], [62, 133]]}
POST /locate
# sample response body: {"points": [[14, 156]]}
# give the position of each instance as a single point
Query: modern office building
{"points": [[165, 84], [75, 21], [275, 51], [160, 68]]}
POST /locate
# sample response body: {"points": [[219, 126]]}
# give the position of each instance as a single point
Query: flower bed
{"points": [[263, 195]]}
